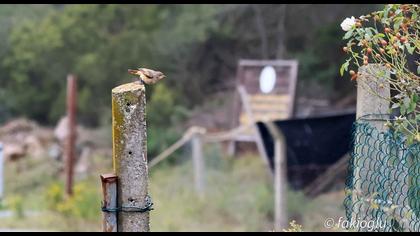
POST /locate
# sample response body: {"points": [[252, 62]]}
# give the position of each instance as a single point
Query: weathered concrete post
{"points": [[198, 161], [280, 177], [71, 138], [130, 154], [109, 191], [367, 104]]}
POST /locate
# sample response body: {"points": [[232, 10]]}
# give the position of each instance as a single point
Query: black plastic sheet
{"points": [[312, 144]]}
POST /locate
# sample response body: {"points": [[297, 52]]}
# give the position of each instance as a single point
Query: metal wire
{"points": [[383, 182], [147, 207]]}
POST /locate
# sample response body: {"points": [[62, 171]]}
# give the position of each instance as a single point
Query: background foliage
{"points": [[197, 46]]}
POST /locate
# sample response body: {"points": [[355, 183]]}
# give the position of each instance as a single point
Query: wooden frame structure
{"points": [[251, 105]]}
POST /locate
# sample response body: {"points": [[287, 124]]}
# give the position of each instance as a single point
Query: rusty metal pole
{"points": [[71, 138], [129, 141], [109, 204]]}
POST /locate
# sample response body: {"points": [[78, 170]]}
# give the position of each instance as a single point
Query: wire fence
{"points": [[383, 181]]}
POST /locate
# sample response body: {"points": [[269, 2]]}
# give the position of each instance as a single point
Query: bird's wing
{"points": [[148, 73], [133, 72]]}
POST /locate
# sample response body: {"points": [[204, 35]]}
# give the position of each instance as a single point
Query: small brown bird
{"points": [[147, 76]]}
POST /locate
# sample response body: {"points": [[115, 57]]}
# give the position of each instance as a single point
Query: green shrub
{"points": [[84, 203], [16, 203]]}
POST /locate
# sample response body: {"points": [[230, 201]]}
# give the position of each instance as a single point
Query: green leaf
{"points": [[410, 140], [418, 69], [369, 32], [413, 103], [411, 107], [406, 101], [397, 22], [344, 67], [415, 97], [380, 35], [348, 34], [409, 48], [414, 16], [402, 110]]}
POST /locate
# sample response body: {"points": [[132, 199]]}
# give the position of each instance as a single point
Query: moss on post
{"points": [[130, 154]]}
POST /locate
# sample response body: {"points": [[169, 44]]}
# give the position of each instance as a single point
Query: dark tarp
{"points": [[313, 144]]}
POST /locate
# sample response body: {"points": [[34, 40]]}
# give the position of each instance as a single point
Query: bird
{"points": [[147, 76]]}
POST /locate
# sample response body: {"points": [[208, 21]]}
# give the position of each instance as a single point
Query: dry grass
{"points": [[239, 197]]}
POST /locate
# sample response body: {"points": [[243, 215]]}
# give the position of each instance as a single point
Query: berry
{"points": [[383, 42]]}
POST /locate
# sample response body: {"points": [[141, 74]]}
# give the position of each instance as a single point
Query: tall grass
{"points": [[238, 197]]}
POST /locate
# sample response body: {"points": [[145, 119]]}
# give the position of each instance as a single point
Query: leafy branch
{"points": [[389, 38]]}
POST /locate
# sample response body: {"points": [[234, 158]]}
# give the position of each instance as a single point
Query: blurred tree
{"points": [[98, 43], [197, 46], [11, 16]]}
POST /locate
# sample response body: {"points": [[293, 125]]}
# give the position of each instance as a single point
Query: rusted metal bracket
{"points": [[109, 189]]}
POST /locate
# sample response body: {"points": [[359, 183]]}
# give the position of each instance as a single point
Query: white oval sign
{"points": [[267, 79]]}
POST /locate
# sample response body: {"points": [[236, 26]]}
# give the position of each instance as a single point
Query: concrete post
{"points": [[130, 154]]}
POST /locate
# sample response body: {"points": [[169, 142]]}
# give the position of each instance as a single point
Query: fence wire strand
{"points": [[383, 182]]}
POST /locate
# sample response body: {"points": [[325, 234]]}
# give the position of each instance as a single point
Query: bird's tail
{"points": [[133, 72]]}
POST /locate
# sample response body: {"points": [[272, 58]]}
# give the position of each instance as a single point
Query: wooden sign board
{"points": [[278, 103]]}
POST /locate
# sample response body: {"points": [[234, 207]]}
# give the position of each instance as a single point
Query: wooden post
{"points": [[130, 154], [198, 163], [71, 138], [1, 171], [109, 190], [257, 136], [185, 138], [280, 177]]}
